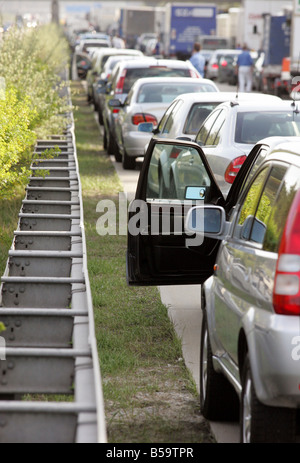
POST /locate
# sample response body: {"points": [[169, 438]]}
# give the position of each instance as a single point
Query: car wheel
{"points": [[100, 117], [218, 399], [118, 155], [260, 423], [128, 162], [104, 139], [111, 144]]}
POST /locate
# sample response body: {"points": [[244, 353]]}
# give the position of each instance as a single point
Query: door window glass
{"points": [[248, 209], [173, 118], [259, 203], [206, 127], [166, 115], [279, 212], [174, 170], [214, 135], [197, 115]]}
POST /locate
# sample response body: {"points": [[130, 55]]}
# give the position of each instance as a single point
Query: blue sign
{"points": [[189, 23]]}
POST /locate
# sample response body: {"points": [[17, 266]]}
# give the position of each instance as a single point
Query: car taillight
{"points": [[224, 63], [286, 295], [120, 83], [233, 169], [194, 74], [215, 66], [138, 118]]}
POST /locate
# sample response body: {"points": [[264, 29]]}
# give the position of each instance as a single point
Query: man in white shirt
{"points": [[118, 42]]}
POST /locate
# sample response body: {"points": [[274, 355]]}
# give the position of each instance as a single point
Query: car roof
{"points": [[173, 80], [277, 145], [145, 61], [242, 106], [220, 51], [224, 96]]}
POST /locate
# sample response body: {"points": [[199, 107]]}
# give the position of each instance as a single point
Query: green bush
{"points": [[31, 106]]}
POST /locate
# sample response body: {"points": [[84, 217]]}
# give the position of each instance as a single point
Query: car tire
{"points": [[260, 423], [218, 399], [100, 117], [117, 154], [128, 162], [104, 139], [111, 144]]}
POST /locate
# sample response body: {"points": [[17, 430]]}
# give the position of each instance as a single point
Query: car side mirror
{"points": [[146, 127], [108, 87], [184, 138], [253, 229], [115, 103], [208, 221], [101, 86]]}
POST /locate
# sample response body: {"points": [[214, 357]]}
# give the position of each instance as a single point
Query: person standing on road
{"points": [[197, 59], [118, 42], [245, 70]]}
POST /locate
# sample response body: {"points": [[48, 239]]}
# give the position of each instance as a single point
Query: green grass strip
{"points": [[149, 394]]}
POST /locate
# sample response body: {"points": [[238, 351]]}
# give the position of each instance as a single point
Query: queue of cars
{"points": [[220, 182]]}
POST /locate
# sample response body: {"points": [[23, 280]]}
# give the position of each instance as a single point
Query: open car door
{"points": [[175, 177]]}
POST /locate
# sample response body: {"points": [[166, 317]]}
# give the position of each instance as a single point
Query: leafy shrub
{"points": [[31, 106]]}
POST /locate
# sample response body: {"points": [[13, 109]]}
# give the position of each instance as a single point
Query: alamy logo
{"points": [[296, 349]]}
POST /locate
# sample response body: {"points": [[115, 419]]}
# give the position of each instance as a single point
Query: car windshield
{"points": [[166, 93], [197, 116], [254, 126], [132, 75]]}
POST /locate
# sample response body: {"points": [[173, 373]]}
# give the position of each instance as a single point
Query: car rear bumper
{"points": [[274, 348], [135, 142]]}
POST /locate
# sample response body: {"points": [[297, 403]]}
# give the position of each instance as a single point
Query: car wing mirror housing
{"points": [[184, 138], [207, 221]]}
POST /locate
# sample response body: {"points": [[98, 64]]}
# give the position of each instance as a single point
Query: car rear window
{"points": [[197, 115], [166, 93], [132, 75], [254, 126]]}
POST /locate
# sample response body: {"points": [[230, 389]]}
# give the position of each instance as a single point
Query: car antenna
{"points": [[296, 110]]}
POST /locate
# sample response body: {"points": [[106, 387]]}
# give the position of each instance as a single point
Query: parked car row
{"points": [[244, 250], [226, 169], [120, 86]]}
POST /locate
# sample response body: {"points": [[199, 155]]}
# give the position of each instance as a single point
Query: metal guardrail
{"points": [[46, 306]]}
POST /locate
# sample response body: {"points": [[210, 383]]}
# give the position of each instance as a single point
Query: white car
{"points": [[87, 44], [233, 128], [146, 102], [185, 115]]}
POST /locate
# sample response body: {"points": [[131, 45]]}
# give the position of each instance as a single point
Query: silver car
{"points": [[146, 102], [232, 129], [100, 85], [245, 251], [125, 74]]}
